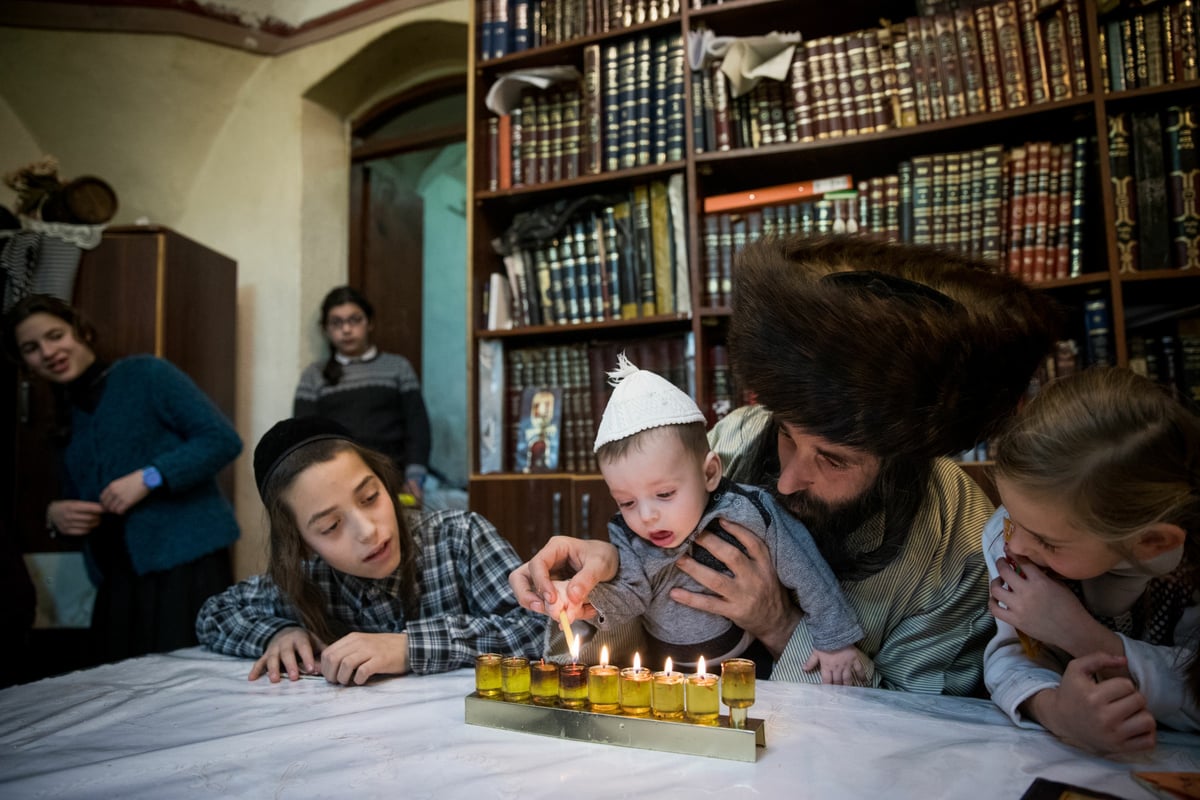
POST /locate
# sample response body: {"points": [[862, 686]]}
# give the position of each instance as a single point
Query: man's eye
{"points": [[836, 463]]}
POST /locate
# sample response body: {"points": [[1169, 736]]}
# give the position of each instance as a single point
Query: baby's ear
{"points": [[1159, 538], [712, 470]]}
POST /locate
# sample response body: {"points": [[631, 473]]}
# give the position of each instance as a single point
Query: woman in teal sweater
{"points": [[141, 449]]}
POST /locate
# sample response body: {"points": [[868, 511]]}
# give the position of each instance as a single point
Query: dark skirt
{"points": [[153, 613]]}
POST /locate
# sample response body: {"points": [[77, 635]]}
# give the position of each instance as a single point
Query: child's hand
{"points": [[842, 667], [1036, 604], [355, 657], [1105, 716], [291, 648]]}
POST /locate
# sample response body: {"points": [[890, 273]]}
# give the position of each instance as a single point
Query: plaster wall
{"points": [[226, 148]]}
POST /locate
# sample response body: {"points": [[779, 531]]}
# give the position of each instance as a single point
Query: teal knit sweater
{"points": [[152, 414]]}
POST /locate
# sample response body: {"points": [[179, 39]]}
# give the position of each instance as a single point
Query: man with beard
{"points": [[868, 364]]}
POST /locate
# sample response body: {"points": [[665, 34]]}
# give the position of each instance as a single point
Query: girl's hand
{"points": [[357, 656], [841, 667], [1037, 604], [124, 493], [1104, 716], [74, 517], [291, 648]]}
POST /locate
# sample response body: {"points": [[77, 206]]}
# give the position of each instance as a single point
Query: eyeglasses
{"points": [[336, 323]]}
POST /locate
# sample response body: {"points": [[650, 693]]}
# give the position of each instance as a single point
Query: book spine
{"points": [[1150, 190], [712, 261], [1169, 20], [487, 25], [970, 65], [860, 89], [1043, 156], [879, 95], [1017, 197], [722, 122], [1008, 46], [1189, 68], [1058, 68], [1097, 324], [1034, 51], [587, 275], [991, 243], [922, 192], [1116, 56], [555, 155], [493, 161], [627, 91], [613, 264], [676, 96], [644, 125], [611, 92], [1141, 66], [905, 103], [593, 120], [948, 60], [516, 143], [573, 162], [1065, 200], [643, 249], [1125, 212], [660, 236], [1079, 152], [904, 175], [1155, 68], [934, 76], [659, 88], [725, 248], [830, 85], [574, 284], [989, 57], [520, 25], [1184, 186], [1076, 49], [529, 137], [891, 207], [500, 31], [1128, 60], [951, 199], [816, 89], [973, 218], [699, 128]]}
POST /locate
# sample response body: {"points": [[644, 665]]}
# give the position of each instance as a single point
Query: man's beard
{"points": [[831, 525]]}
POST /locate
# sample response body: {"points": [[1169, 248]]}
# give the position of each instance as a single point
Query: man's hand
{"points": [[74, 517], [753, 598], [582, 562], [124, 493], [1104, 716], [355, 657], [292, 649]]}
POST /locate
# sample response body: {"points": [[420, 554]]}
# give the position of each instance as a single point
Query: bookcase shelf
{"points": [[1081, 119]]}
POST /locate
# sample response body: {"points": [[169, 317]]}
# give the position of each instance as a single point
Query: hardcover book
{"points": [[539, 432], [770, 195]]}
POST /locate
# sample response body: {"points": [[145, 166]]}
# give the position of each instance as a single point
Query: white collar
{"points": [[1115, 592], [369, 355]]}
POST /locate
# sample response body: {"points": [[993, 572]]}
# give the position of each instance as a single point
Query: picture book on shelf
{"points": [[539, 433]]}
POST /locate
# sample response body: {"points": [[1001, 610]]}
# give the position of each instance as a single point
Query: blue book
{"points": [[500, 31], [520, 26]]}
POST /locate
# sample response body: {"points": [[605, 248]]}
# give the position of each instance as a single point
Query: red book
{"points": [[504, 153], [776, 195]]}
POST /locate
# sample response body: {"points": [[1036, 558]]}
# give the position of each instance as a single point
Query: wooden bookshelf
{"points": [[1084, 114]]}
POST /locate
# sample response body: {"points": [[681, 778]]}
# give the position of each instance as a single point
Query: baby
{"points": [[654, 455]]}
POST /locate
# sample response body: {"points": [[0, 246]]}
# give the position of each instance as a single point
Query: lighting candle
{"points": [[737, 688], [487, 674], [666, 694], [635, 689], [514, 679], [703, 705], [543, 683], [603, 689]]}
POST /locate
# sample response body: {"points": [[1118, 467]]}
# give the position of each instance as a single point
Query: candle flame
{"points": [[637, 661], [700, 666], [573, 647], [668, 665], [604, 656]]}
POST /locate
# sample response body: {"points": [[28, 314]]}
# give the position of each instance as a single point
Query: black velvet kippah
{"points": [[285, 437]]}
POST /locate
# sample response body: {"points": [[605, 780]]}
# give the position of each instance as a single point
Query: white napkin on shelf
{"points": [[505, 94]]}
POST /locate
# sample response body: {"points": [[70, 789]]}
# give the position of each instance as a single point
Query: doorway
{"points": [[408, 249]]}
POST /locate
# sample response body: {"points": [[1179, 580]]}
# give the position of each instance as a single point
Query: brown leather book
{"points": [[1034, 51], [801, 98], [989, 56], [1012, 61], [970, 65]]}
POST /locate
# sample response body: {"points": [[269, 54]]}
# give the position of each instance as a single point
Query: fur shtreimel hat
{"points": [[286, 437], [895, 349], [640, 401]]}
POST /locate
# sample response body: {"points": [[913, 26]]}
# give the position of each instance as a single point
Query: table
{"points": [[189, 724]]}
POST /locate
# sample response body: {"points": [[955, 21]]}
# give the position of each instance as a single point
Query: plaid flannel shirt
{"points": [[467, 606]]}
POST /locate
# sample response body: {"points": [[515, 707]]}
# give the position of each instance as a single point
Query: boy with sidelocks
{"points": [[668, 485]]}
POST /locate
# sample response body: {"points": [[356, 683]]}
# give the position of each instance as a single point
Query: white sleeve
{"points": [[1161, 674]]}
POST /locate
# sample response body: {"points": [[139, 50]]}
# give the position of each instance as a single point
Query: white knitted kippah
{"points": [[640, 401]]}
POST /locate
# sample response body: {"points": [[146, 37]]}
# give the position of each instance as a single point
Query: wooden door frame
{"points": [[364, 152]]}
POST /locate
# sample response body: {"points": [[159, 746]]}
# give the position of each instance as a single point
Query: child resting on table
{"points": [[359, 584], [668, 485], [1094, 557]]}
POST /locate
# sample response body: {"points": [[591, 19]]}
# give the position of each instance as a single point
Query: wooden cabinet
{"points": [[146, 289], [1139, 303], [528, 511]]}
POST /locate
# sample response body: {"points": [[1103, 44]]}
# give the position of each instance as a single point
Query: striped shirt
{"points": [[925, 614], [467, 606]]}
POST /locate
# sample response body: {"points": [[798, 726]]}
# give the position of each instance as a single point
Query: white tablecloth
{"points": [[189, 724]]}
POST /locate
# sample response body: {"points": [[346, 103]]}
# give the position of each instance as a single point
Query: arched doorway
{"points": [[407, 246]]}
